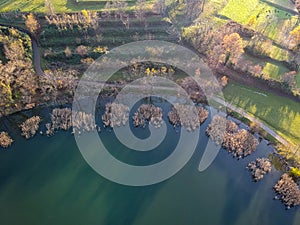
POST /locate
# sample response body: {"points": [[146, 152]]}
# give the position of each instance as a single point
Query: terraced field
{"points": [[111, 33]]}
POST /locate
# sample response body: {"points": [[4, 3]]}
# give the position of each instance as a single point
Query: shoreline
{"points": [[30, 112], [36, 59]]}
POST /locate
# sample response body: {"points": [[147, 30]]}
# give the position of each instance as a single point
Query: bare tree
{"points": [[82, 50], [193, 8], [120, 12], [160, 7], [82, 20], [68, 52], [140, 10], [49, 8], [107, 11], [289, 79], [32, 24], [200, 35]]}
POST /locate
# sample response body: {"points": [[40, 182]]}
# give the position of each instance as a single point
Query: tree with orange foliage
{"points": [[224, 81], [256, 70], [32, 24], [233, 48], [295, 37]]}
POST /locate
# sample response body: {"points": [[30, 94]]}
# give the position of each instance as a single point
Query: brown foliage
{"points": [[5, 140], [259, 168], [148, 112], [233, 47], [288, 190], [226, 133], [32, 24], [30, 126], [82, 50]]}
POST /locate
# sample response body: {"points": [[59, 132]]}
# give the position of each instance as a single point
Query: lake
{"points": [[46, 181]]}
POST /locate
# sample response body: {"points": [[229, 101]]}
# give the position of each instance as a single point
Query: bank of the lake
{"points": [[45, 181]]}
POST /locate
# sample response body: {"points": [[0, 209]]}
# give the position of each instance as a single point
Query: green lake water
{"points": [[45, 181]]}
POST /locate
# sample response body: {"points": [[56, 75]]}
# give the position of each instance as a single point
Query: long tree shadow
{"points": [[281, 114]]}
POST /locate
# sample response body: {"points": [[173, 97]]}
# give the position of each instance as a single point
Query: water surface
{"points": [[45, 181]]}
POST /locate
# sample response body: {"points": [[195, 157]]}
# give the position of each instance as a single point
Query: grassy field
{"points": [[273, 22], [281, 114], [243, 11], [254, 14], [59, 5]]}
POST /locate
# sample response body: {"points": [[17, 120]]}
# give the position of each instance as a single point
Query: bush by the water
{"points": [[5, 140], [187, 116], [61, 119], [115, 115], [259, 168], [288, 191], [239, 142], [30, 126], [148, 112]]}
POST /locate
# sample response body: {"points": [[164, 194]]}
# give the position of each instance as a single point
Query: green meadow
{"points": [[280, 113]]}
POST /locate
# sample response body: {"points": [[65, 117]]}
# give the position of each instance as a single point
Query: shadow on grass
{"points": [[282, 114], [79, 5]]}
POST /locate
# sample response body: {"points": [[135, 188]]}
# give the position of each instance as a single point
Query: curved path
{"points": [[35, 49]]}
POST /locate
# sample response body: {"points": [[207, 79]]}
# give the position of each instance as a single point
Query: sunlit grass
{"points": [[24, 5], [271, 21], [241, 10], [59, 5], [281, 114], [298, 79], [279, 54], [275, 71]]}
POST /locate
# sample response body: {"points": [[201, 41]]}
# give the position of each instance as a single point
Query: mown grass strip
{"points": [[280, 113]]}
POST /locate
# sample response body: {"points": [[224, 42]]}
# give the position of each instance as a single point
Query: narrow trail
{"points": [[36, 58]]}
